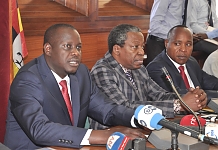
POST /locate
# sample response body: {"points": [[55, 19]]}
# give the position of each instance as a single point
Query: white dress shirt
{"points": [[185, 70], [85, 140]]}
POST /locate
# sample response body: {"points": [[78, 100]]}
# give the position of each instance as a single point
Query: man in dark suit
{"points": [[179, 45], [37, 113]]}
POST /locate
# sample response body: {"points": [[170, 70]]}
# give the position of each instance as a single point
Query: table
{"points": [[212, 147]]}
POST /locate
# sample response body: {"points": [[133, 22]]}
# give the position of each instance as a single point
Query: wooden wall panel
{"points": [[71, 4], [85, 7], [144, 4], [68, 3], [34, 46], [94, 46], [82, 7], [38, 15], [131, 1], [148, 5]]}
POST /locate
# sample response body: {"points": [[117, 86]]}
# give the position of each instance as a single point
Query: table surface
{"points": [[149, 145], [212, 147]]}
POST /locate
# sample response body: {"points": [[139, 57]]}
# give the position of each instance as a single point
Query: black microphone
{"points": [[181, 129], [168, 77], [149, 116]]}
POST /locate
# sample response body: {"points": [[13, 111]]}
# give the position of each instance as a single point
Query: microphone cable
{"points": [[168, 77]]}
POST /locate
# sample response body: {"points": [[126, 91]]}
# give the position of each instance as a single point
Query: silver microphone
{"points": [[168, 77]]}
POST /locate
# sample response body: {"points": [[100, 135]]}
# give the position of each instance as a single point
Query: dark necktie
{"points": [[65, 94], [130, 77], [184, 77], [210, 18], [185, 13]]}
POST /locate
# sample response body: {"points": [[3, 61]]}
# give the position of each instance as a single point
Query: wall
{"points": [[93, 24]]}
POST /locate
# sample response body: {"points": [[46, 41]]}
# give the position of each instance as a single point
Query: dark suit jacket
{"points": [[37, 114], [198, 76]]}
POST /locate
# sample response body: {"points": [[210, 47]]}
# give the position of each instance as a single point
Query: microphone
{"points": [[190, 122], [168, 77], [118, 141], [157, 121]]}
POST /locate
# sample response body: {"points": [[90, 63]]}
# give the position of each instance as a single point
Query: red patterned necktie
{"points": [[65, 94], [184, 77]]}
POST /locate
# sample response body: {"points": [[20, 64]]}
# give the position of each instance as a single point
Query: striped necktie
{"points": [[130, 77]]}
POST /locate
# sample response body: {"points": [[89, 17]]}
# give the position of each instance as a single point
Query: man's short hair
{"points": [[118, 35], [49, 33]]}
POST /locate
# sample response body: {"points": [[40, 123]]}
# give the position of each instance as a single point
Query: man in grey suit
{"points": [[120, 74], [37, 113]]}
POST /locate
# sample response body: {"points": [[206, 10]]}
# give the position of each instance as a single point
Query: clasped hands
{"points": [[195, 98]]}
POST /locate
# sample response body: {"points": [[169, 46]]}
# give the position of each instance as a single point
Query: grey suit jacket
{"points": [[111, 79], [37, 114]]}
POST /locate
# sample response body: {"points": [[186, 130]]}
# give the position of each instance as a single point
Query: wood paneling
{"points": [[144, 4], [81, 6], [94, 46], [94, 27]]}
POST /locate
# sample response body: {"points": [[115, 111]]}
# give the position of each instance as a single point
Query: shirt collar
{"points": [[59, 79], [125, 69], [175, 63]]}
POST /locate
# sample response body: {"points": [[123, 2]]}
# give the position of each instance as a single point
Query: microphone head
{"points": [[165, 71], [118, 141], [148, 116], [190, 120]]}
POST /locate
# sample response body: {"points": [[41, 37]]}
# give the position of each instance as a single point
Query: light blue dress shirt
{"points": [[165, 14], [212, 34], [199, 15]]}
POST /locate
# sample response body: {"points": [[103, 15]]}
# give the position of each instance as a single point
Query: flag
{"points": [[5, 61], [19, 49]]}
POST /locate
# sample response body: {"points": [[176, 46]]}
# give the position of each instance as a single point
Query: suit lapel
{"points": [[118, 69], [176, 77], [192, 74], [51, 84], [75, 98], [137, 78]]}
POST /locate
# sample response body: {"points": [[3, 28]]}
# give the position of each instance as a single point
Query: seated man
{"points": [[120, 74], [38, 115], [211, 63], [203, 18], [184, 69]]}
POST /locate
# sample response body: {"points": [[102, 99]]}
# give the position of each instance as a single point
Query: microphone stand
{"points": [[180, 98], [174, 140]]}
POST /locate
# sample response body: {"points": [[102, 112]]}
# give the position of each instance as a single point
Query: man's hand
{"points": [[196, 38], [196, 99], [202, 35], [101, 136]]}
